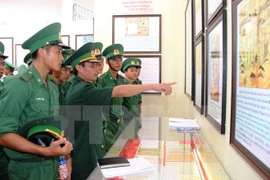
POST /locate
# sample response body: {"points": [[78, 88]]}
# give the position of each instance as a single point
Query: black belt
{"points": [[35, 159]]}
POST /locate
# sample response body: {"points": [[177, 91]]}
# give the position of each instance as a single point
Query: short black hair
{"points": [[75, 71], [47, 48], [117, 56]]}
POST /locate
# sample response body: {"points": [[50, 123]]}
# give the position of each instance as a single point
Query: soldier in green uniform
{"points": [[61, 77], [138, 81], [100, 58], [85, 102], [4, 160], [130, 104], [113, 113], [37, 97], [2, 61], [9, 69], [108, 135]]}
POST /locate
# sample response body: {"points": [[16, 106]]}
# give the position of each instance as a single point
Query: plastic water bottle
{"points": [[62, 168]]}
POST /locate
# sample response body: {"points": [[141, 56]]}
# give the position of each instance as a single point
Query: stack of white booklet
{"points": [[184, 125], [137, 165]]}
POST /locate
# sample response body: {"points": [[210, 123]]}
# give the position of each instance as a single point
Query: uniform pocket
{"points": [[42, 108]]}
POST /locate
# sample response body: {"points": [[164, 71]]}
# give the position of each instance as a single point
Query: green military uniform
{"points": [[33, 100], [4, 160], [62, 91], [138, 96], [130, 104], [22, 68], [85, 102], [114, 113], [63, 86], [138, 81], [11, 68], [108, 135], [1, 85]]}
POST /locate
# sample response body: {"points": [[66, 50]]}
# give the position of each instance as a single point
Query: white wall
{"points": [[20, 19], [173, 69]]}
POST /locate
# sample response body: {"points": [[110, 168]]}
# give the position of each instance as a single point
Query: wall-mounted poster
{"points": [[216, 74], [188, 65], [20, 54], [198, 16], [137, 33], [82, 39], [199, 75], [150, 71], [66, 39], [250, 133]]}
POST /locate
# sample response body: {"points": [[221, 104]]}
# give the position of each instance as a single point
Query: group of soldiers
{"points": [[63, 89]]}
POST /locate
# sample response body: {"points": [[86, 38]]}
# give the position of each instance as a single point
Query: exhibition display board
{"points": [[175, 155]]}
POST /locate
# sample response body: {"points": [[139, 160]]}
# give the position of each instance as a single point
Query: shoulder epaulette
{"points": [[126, 81], [100, 80], [102, 76], [27, 75]]}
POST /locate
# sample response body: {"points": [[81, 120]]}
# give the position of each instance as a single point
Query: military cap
{"points": [[9, 66], [113, 50], [67, 53], [49, 35], [128, 63], [28, 58], [83, 54], [138, 62], [98, 48], [44, 130], [2, 50], [21, 68]]}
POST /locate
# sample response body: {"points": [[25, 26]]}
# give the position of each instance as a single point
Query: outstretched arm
{"points": [[131, 90]]}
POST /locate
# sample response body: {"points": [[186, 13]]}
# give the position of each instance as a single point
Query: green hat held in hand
{"points": [[44, 131]]}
